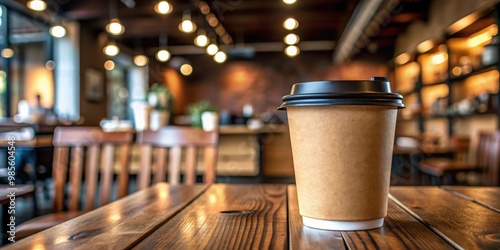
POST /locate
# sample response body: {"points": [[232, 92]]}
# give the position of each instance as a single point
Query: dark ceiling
{"points": [[254, 23]]}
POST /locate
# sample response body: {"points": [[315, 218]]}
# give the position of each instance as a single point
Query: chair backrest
{"points": [[89, 148], [482, 148], [460, 145], [167, 145], [491, 169]]}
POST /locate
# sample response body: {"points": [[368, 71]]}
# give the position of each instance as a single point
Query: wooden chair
{"points": [[486, 159], [170, 142], [89, 149]]}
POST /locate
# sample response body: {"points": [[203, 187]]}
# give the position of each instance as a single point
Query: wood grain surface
{"points": [[266, 216], [118, 225], [302, 237], [227, 217], [463, 223], [400, 231], [486, 196], [21, 190]]}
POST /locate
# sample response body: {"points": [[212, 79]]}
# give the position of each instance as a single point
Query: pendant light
{"points": [[186, 24], [57, 30], [220, 57], [163, 54], [140, 60], [36, 5], [163, 7], [114, 27], [292, 51], [212, 49], [7, 52], [201, 40], [111, 49]]}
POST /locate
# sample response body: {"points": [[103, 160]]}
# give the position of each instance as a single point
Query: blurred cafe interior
{"points": [[133, 66]]}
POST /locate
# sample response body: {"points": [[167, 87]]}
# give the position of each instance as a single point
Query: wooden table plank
{"points": [[21, 190], [486, 196], [400, 231], [117, 225], [302, 237], [227, 217], [462, 222]]}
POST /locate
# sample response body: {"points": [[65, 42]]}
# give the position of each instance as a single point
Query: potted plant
{"points": [[204, 115], [161, 101]]}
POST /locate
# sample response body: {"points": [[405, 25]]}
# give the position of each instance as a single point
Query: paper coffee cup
{"points": [[342, 134]]}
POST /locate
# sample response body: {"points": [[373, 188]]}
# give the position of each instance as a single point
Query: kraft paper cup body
{"points": [[342, 158], [342, 141]]}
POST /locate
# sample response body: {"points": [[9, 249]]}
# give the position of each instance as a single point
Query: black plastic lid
{"points": [[376, 91]]}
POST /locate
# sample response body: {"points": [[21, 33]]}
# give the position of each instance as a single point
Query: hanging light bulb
{"points": [[109, 65], [163, 55], [114, 27], [212, 49], [141, 60], [290, 24], [291, 39], [57, 31], [7, 53], [292, 51], [36, 5], [111, 49], [220, 57], [187, 25], [201, 39], [186, 69], [163, 7]]}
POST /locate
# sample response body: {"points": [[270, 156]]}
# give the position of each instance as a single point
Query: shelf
{"points": [[433, 84], [471, 115], [435, 117], [413, 119], [407, 93], [478, 71]]}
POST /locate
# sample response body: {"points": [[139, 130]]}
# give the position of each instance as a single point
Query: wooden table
{"points": [[405, 162], [265, 216], [6, 193]]}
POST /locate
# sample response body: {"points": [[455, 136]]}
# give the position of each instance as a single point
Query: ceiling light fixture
{"points": [[212, 49], [289, 1], [163, 54], [114, 27], [7, 53], [201, 39], [163, 7], [109, 65], [290, 24], [186, 69], [57, 30], [204, 8], [291, 39], [292, 51], [187, 25], [220, 57], [111, 49], [140, 60], [36, 5]]}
